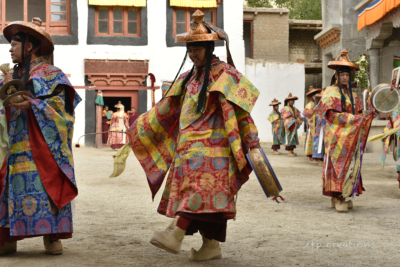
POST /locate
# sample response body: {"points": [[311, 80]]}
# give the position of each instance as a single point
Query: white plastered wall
{"points": [[274, 80], [164, 61]]}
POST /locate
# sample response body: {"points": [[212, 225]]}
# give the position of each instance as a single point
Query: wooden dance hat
{"points": [[202, 31], [33, 28], [275, 102], [198, 31], [313, 90], [343, 61], [290, 97]]}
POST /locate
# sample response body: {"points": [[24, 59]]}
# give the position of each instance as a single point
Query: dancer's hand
{"points": [[23, 105], [7, 78]]}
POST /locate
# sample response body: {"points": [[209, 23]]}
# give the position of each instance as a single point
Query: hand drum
{"points": [[384, 97]]}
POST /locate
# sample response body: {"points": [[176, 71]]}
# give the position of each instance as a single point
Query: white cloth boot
{"points": [[52, 247], [210, 250], [170, 239]]}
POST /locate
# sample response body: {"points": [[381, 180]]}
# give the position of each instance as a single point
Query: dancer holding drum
{"points": [[347, 127]]}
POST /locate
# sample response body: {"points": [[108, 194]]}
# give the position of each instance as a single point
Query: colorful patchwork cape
{"points": [[204, 153], [292, 122], [278, 130], [345, 141], [37, 180]]}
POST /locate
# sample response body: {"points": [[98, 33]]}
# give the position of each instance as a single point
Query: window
{"points": [[117, 21], [58, 10], [55, 14], [183, 16]]}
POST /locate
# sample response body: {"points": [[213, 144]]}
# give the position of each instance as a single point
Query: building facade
{"points": [[114, 48]]}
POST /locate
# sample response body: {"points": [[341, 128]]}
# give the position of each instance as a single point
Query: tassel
{"points": [[120, 160], [275, 198]]}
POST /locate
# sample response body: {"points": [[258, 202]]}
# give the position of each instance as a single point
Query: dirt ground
{"points": [[116, 217]]}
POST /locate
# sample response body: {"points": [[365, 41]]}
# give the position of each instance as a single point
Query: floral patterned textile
{"points": [[292, 122], [386, 142], [309, 115], [204, 153], [118, 123], [278, 130], [346, 136], [3, 132], [37, 178]]}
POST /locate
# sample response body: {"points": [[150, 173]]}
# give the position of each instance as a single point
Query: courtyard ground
{"points": [[115, 219]]}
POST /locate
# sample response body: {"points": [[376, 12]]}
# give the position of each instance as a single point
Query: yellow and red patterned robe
{"points": [[309, 114], [345, 140], [292, 122], [204, 153], [278, 130]]}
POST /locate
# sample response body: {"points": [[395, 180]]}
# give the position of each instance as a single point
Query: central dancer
{"points": [[200, 132]]}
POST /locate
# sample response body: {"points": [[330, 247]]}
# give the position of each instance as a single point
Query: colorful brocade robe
{"points": [[389, 139], [278, 130], [204, 153], [345, 141], [309, 115], [37, 180], [292, 122]]}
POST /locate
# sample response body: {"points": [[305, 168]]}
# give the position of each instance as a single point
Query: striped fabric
{"points": [[375, 11]]}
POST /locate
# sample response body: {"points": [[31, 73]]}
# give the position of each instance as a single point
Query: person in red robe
{"points": [[105, 125], [133, 115]]}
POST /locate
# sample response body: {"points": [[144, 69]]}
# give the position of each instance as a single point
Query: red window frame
{"points": [[111, 20], [52, 27], [188, 19]]}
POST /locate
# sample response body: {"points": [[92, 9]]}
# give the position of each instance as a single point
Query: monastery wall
{"points": [[274, 80]]}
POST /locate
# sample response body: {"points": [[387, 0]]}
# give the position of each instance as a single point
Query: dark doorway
{"points": [[248, 38], [112, 101]]}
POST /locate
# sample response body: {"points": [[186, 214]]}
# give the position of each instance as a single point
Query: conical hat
{"points": [[202, 31], [290, 97], [343, 60], [313, 90], [33, 28], [275, 102], [198, 31]]}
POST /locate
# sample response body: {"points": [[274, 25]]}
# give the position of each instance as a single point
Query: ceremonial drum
{"points": [[264, 172], [384, 97]]}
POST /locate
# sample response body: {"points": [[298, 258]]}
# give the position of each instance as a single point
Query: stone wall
{"points": [[271, 33], [302, 45]]}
